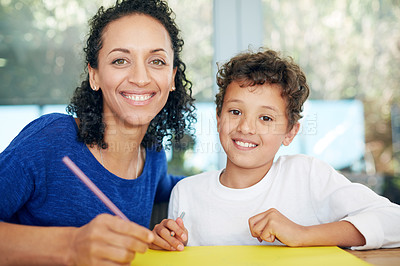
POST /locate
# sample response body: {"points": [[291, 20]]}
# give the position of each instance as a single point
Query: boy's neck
{"points": [[237, 177]]}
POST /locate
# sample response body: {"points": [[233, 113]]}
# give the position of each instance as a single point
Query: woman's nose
{"points": [[247, 126], [139, 75]]}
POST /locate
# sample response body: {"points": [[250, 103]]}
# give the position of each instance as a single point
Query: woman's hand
{"points": [[272, 225], [109, 240], [170, 235]]}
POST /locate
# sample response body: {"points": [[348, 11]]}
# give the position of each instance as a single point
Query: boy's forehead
{"points": [[249, 86], [267, 94]]}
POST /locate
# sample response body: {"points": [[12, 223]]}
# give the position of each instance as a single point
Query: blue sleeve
{"points": [[17, 173], [165, 186], [22, 170], [158, 167], [16, 186]]}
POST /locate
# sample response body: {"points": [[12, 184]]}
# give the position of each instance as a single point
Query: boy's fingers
{"points": [[174, 243], [257, 218], [183, 235], [160, 243], [179, 221], [256, 228], [177, 229]]}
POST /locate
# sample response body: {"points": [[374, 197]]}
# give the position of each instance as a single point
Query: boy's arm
{"points": [[335, 198], [272, 225]]}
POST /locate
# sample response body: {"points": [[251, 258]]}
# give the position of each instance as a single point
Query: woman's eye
{"points": [[235, 112], [119, 61], [266, 118], [158, 62]]}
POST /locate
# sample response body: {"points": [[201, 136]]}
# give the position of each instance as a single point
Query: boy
{"points": [[297, 200]]}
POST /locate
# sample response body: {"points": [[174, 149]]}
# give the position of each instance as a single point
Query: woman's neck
{"points": [[123, 156]]}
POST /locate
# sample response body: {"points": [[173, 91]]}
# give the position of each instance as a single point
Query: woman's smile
{"points": [[138, 98]]}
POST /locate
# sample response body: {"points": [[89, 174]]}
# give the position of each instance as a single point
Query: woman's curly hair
{"points": [[174, 120], [266, 66]]}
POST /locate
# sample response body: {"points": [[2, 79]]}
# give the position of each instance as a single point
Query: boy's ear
{"points": [[291, 134], [216, 114]]}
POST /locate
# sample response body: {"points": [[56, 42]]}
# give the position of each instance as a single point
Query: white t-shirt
{"points": [[304, 189]]}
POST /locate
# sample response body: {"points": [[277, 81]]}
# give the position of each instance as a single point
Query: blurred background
{"points": [[350, 51]]}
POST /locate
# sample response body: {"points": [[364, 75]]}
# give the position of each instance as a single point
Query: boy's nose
{"points": [[247, 126]]}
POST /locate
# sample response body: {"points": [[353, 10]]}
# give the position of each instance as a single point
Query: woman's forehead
{"points": [[139, 31]]}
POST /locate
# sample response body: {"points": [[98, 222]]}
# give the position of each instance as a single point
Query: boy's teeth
{"points": [[138, 98], [245, 144]]}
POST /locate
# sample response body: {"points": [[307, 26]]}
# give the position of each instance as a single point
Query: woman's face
{"points": [[135, 70]]}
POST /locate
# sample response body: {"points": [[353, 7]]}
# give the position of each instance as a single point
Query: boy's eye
{"points": [[158, 62], [265, 118], [119, 61], [235, 112]]}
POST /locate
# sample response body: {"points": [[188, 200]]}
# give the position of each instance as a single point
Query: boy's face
{"points": [[253, 125]]}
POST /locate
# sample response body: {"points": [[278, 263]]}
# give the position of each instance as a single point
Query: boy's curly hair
{"points": [[174, 120], [266, 66]]}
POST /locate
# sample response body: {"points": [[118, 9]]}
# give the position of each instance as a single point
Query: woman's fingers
{"points": [[131, 229], [108, 239]]}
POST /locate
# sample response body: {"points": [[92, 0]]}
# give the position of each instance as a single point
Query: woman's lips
{"points": [[137, 97]]}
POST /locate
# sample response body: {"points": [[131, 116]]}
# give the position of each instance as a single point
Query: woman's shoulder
{"points": [[54, 119], [46, 128], [54, 124]]}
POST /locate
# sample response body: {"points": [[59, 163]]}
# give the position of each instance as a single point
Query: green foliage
{"points": [[349, 50], [41, 42]]}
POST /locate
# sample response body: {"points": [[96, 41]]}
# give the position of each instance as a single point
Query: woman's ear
{"points": [[291, 134], [173, 76], [92, 78]]}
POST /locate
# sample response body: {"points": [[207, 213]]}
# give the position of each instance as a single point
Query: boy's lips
{"points": [[244, 143]]}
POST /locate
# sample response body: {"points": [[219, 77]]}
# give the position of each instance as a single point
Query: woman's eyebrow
{"points": [[124, 50], [158, 50]]}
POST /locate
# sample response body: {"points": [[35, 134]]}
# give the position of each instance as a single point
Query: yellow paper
{"points": [[249, 255]]}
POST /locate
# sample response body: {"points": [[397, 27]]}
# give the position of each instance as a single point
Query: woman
{"points": [[135, 94]]}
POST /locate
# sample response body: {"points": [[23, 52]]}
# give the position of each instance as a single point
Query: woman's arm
{"points": [[106, 239], [24, 245]]}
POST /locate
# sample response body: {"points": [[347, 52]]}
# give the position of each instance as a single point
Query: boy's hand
{"points": [[170, 235], [272, 225]]}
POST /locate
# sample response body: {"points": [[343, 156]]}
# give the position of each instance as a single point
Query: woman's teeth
{"points": [[245, 144], [138, 98]]}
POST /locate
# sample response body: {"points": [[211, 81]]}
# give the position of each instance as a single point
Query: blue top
{"points": [[38, 189]]}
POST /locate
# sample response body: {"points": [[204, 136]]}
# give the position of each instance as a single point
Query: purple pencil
{"points": [[78, 172]]}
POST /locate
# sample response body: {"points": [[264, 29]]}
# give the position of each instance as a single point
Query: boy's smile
{"points": [[252, 126]]}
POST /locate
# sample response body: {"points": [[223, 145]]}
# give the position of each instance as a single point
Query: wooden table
{"points": [[379, 257]]}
